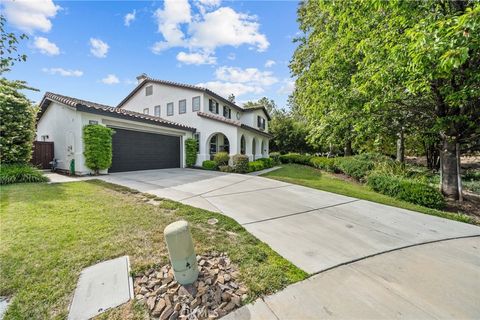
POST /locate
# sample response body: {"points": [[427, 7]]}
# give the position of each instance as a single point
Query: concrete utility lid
{"points": [[102, 286]]}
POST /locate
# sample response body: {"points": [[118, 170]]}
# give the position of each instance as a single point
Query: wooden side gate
{"points": [[42, 154]]}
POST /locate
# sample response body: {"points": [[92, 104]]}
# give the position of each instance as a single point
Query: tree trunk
{"points": [[449, 169], [401, 146], [348, 148]]}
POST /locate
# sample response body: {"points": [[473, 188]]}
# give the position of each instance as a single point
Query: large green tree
{"points": [[390, 69]]}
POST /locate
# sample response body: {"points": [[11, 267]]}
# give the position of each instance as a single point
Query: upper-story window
{"points": [[196, 103], [157, 111], [227, 112], [148, 90], [213, 106], [145, 111], [261, 122], [182, 106], [170, 109]]}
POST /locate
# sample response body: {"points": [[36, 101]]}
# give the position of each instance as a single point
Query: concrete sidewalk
{"points": [[432, 281]]}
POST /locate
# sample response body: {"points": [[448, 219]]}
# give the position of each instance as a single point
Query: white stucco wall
{"points": [[64, 125], [164, 94]]}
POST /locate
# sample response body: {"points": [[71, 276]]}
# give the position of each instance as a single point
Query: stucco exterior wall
{"points": [[64, 125], [206, 128]]}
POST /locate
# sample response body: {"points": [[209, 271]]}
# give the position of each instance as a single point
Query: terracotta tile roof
{"points": [[93, 107], [266, 134], [219, 118]]}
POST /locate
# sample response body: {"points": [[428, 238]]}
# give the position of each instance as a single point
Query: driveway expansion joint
{"points": [[298, 213], [346, 263]]}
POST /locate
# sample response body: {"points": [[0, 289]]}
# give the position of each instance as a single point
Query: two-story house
{"points": [[151, 124]]}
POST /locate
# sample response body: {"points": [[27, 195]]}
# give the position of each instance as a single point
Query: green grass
{"points": [[50, 232], [314, 178]]}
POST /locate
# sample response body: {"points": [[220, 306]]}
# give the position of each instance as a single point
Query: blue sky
{"points": [[94, 50]]}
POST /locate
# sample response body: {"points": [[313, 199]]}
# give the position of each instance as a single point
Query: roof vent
{"points": [[142, 77]]}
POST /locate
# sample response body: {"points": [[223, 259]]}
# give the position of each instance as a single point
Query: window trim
{"points": [[146, 111], [215, 103], [179, 106], [146, 90], [193, 103], [173, 109], [155, 108], [229, 112]]}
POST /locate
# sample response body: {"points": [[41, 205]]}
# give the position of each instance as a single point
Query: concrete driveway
{"points": [[369, 260], [315, 230]]}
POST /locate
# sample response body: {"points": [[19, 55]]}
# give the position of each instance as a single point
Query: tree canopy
{"points": [[370, 73]]}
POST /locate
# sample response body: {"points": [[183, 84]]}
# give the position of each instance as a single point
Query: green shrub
{"points": [[471, 175], [221, 158], [275, 156], [98, 147], [255, 166], [240, 162], [17, 127], [267, 162], [355, 167], [191, 147], [409, 190], [17, 173], [226, 169], [323, 163], [295, 158], [209, 165]]}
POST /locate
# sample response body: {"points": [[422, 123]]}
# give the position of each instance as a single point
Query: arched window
{"points": [[243, 147]]}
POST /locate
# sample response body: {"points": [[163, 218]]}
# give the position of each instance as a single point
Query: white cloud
{"points": [[287, 87], [250, 75], [197, 58], [29, 16], [174, 13], [111, 79], [207, 30], [225, 26], [98, 48], [63, 72], [129, 18], [46, 47], [226, 88], [269, 63]]}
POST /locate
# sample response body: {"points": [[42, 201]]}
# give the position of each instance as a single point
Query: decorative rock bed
{"points": [[215, 293]]}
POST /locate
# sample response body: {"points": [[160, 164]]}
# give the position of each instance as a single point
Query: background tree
{"points": [[8, 47], [231, 98]]}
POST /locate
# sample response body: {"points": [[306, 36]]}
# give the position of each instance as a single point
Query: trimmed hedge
{"points": [[191, 146], [20, 173], [295, 158], [240, 162], [255, 166], [355, 167], [406, 189], [267, 162], [323, 163], [221, 158], [209, 165]]}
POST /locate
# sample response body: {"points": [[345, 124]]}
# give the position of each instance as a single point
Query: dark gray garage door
{"points": [[134, 150]]}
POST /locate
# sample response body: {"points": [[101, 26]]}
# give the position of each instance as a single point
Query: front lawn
{"points": [[50, 232], [314, 178]]}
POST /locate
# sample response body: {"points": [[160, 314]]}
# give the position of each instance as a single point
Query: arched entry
{"points": [[218, 142], [254, 148], [243, 145]]}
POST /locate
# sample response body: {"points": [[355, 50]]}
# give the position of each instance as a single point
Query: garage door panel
{"points": [[134, 150]]}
